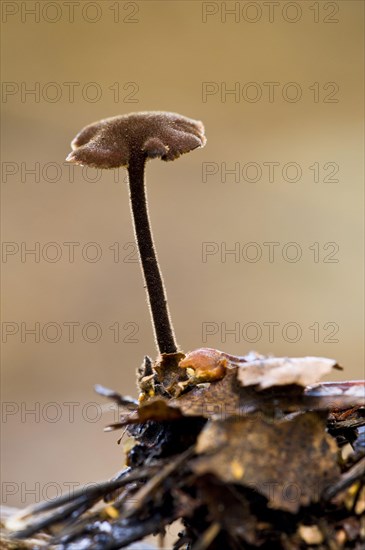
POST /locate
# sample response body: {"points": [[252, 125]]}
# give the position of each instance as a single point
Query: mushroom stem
{"points": [[164, 332]]}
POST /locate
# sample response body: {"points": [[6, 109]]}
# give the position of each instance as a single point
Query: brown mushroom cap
{"points": [[111, 142]]}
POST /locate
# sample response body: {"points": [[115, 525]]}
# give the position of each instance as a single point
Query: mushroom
{"points": [[130, 140]]}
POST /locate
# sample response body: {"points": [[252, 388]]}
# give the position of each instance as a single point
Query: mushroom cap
{"points": [[111, 142]]}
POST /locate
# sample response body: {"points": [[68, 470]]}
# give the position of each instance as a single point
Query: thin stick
{"points": [[207, 537], [347, 479], [150, 487]]}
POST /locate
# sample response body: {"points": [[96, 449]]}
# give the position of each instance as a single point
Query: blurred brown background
{"points": [[297, 72]]}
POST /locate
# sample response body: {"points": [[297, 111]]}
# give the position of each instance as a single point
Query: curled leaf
{"points": [[279, 371]]}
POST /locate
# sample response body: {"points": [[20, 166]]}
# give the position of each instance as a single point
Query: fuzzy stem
{"points": [[164, 332]]}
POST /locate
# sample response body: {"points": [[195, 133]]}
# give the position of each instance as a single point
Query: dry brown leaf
{"points": [[227, 397], [157, 409], [218, 399], [278, 371], [290, 462]]}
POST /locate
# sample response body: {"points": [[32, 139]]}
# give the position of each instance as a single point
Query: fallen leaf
{"points": [[290, 462], [278, 371]]}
